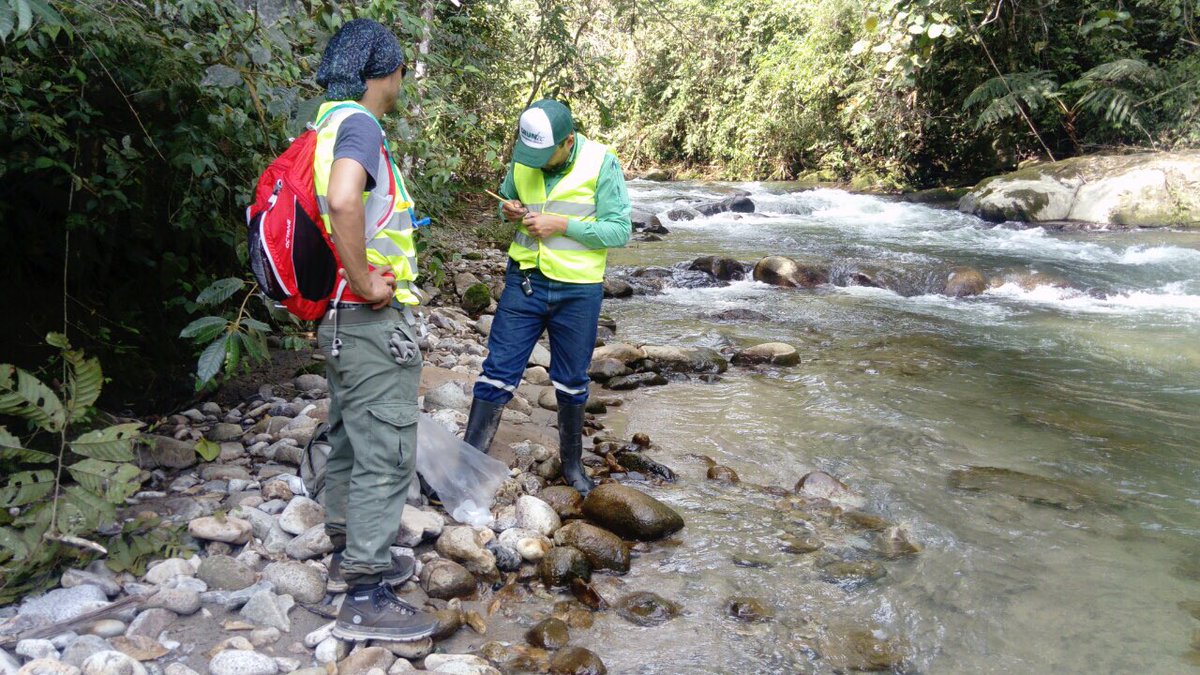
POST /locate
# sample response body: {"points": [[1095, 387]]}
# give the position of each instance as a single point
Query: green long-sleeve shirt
{"points": [[611, 228]]}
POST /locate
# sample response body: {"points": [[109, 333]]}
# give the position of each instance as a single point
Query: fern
{"points": [[1111, 90], [1005, 94]]}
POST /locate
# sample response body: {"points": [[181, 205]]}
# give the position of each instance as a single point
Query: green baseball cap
{"points": [[543, 125]]}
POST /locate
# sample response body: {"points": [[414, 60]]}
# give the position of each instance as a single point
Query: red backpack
{"points": [[291, 254]]}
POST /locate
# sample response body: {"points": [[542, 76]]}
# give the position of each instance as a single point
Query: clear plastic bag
{"points": [[465, 479]]}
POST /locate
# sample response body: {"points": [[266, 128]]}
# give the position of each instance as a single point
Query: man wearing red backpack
{"points": [[368, 335]]}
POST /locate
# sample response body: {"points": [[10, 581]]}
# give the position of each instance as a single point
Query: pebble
{"points": [[229, 530], [183, 601], [46, 667], [268, 609], [331, 650], [459, 664], [83, 647], [107, 628], [112, 663], [536, 515], [239, 662], [37, 649]]}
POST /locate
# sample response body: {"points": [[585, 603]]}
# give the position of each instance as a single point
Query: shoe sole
{"points": [[361, 635]]}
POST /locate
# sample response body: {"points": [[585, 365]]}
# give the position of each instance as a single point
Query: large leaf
{"points": [[207, 449], [11, 449], [12, 547], [211, 359], [114, 444], [84, 383], [23, 395], [80, 511], [220, 291], [205, 328], [114, 481], [26, 487]]}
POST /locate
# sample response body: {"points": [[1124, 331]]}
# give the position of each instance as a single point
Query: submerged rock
{"points": [[782, 271], [725, 269], [852, 573], [748, 609], [647, 609], [1023, 486], [549, 633], [965, 281], [631, 513], [820, 485], [896, 542], [576, 661], [859, 649]]}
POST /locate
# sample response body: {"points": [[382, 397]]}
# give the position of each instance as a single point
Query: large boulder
{"points": [[631, 513], [1154, 189], [779, 270], [686, 359]]}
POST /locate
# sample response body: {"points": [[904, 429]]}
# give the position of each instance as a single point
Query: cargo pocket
{"points": [[394, 436]]}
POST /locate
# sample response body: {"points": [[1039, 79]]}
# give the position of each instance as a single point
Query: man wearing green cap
{"points": [[568, 194]]}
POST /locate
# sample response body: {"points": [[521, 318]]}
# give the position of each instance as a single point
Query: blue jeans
{"points": [[569, 311]]}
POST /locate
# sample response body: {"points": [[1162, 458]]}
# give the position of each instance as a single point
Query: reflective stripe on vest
{"points": [[387, 207], [574, 196]]}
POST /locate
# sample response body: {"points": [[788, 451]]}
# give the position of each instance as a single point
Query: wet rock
{"points": [[303, 582], [1023, 486], [774, 353], [301, 515], [315, 542], [507, 558], [625, 353], [725, 269], [227, 529], [408, 650], [820, 485], [448, 623], [617, 288], [799, 544], [858, 649], [364, 660], [224, 573], [169, 569], [267, 609], [734, 204], [647, 609], [636, 380], [736, 315], [459, 664], [852, 573], [723, 474], [242, 662], [112, 663], [467, 546], [532, 546], [564, 499], [63, 604], [964, 282], [631, 513], [446, 579], [576, 661], [604, 550], [563, 564], [748, 609], [639, 462], [536, 515], [781, 271], [687, 359], [603, 370], [182, 601], [549, 633], [865, 521]]}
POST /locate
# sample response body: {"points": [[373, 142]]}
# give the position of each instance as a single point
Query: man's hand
{"points": [[378, 287], [513, 209], [542, 225]]}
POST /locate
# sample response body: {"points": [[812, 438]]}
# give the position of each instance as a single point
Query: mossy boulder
{"points": [[476, 298]]}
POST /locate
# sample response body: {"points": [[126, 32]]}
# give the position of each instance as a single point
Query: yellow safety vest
{"points": [[388, 206], [574, 196]]}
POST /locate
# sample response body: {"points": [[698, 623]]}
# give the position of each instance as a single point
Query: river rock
{"points": [[576, 661], [725, 269], [820, 485], [408, 650], [112, 663], [631, 513], [459, 664], [964, 282], [301, 515], [687, 359], [169, 569], [723, 474], [736, 315], [775, 353], [315, 542], [151, 622], [1156, 189], [41, 667], [303, 582], [467, 545], [530, 544], [224, 431], [564, 499], [852, 573], [617, 288], [227, 529], [603, 370], [861, 650], [646, 609], [625, 353], [536, 515], [782, 271], [548, 633], [364, 660], [242, 662], [104, 579], [311, 382], [1023, 486], [224, 573], [448, 395], [896, 542], [183, 601], [446, 579], [36, 649], [562, 565], [477, 299], [628, 382], [331, 650], [603, 549], [417, 525], [734, 204], [267, 609], [108, 628], [63, 604], [747, 609]]}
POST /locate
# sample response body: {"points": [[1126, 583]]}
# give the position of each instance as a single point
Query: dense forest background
{"points": [[134, 130]]}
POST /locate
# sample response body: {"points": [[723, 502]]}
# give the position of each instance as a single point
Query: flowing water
{"points": [[1084, 367]]}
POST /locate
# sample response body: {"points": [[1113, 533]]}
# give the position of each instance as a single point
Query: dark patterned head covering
{"points": [[361, 50]]}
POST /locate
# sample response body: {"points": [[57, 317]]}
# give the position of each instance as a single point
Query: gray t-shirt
{"points": [[360, 138]]}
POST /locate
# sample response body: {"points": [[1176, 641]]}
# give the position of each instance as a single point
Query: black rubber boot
{"points": [[570, 447], [482, 424]]}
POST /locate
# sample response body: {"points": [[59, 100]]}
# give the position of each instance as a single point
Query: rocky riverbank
{"points": [[247, 592]]}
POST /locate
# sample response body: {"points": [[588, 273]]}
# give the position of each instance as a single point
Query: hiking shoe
{"points": [[375, 613], [402, 569]]}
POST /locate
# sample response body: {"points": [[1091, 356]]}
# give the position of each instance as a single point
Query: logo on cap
{"points": [[535, 129]]}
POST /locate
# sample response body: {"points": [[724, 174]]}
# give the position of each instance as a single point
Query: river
{"points": [[1089, 373]]}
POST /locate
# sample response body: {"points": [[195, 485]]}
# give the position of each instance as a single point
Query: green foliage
{"points": [[44, 519], [1008, 96], [231, 340]]}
